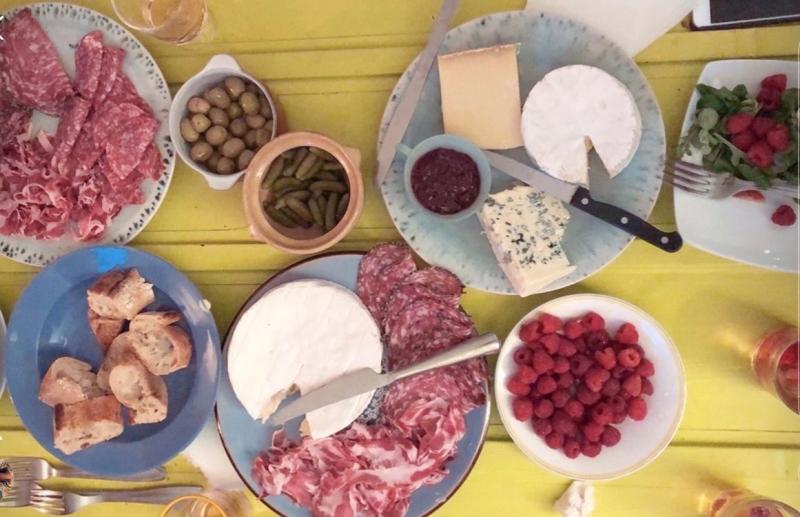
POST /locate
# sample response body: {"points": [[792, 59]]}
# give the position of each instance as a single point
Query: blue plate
{"points": [[49, 321], [545, 42], [244, 438]]}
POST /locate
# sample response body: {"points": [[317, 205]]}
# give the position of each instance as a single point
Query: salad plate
{"points": [[735, 228]]}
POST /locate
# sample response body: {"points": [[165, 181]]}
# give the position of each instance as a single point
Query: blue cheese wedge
{"points": [[525, 228]]}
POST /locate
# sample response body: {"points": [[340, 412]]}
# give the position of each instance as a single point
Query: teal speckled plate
{"points": [[546, 42]]}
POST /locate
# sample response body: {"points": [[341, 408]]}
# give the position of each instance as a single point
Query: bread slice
{"points": [[67, 381], [163, 350], [144, 394], [104, 329], [145, 321], [120, 295], [121, 345], [86, 423]]}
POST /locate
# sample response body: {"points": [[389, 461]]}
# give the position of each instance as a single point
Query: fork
{"points": [[39, 469], [716, 185], [55, 502], [18, 495]]}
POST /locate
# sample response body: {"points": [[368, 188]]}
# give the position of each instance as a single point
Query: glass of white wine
{"points": [[175, 21]]}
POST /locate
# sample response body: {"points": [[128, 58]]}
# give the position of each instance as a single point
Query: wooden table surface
{"points": [[332, 65]]}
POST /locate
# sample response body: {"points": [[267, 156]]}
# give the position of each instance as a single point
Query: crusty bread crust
{"points": [[120, 295], [115, 353], [163, 350], [144, 394], [86, 423], [104, 329], [145, 321], [67, 381]]}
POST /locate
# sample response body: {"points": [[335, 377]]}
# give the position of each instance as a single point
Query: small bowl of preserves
{"points": [[446, 176], [220, 118], [303, 192]]}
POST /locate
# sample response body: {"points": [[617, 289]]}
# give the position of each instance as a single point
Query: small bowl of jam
{"points": [[446, 176]]}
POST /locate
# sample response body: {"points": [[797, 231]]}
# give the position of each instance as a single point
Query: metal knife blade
{"points": [[366, 379], [408, 103], [581, 198]]}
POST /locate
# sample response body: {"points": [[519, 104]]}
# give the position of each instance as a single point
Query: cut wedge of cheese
{"points": [[300, 336], [525, 228], [573, 109], [480, 96]]}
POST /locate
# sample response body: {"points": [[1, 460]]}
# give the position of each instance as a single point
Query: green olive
{"points": [[234, 110], [225, 166], [262, 136], [216, 135], [198, 105], [244, 159], [200, 122], [232, 148], [249, 103], [251, 87], [218, 117], [218, 97], [234, 86], [255, 121], [265, 110], [212, 161], [201, 151], [250, 139], [188, 132], [238, 127]]}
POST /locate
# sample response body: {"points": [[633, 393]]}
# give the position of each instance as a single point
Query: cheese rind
{"points": [[525, 228], [480, 96], [573, 109]]}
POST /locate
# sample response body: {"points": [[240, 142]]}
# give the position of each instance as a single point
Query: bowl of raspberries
{"points": [[590, 387]]}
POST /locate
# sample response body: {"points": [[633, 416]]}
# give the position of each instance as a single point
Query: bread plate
{"points": [[49, 321]]}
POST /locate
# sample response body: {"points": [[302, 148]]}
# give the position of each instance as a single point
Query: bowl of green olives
{"points": [[220, 118]]}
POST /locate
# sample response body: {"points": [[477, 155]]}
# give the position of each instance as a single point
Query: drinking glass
{"points": [[214, 503], [776, 363], [175, 21], [743, 503]]}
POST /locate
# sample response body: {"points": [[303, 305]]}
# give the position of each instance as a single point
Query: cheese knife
{"points": [[367, 379], [408, 103], [580, 198]]}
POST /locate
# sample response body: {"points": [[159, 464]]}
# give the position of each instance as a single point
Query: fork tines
{"points": [[688, 177]]}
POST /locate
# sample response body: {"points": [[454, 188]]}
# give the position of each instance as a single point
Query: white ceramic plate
{"points": [[735, 228], [641, 441], [66, 25]]}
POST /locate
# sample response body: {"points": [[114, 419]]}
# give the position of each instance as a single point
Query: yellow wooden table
{"points": [[332, 65]]}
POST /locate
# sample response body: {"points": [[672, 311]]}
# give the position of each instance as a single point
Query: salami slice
{"points": [[69, 127], [152, 165], [434, 282], [124, 91], [112, 119], [88, 64], [15, 123], [379, 272], [110, 68], [125, 147]]}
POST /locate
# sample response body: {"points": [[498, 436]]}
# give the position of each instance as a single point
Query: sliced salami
{"points": [[434, 282], [111, 67], [69, 127], [124, 91], [88, 64], [15, 123], [379, 272], [112, 119], [152, 164], [125, 147]]}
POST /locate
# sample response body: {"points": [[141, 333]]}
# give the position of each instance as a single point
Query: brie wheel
{"points": [[576, 108], [300, 336]]}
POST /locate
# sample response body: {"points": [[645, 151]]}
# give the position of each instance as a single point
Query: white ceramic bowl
{"points": [[216, 70], [641, 441]]}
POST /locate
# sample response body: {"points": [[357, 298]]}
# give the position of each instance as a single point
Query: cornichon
{"points": [[300, 209], [279, 217], [316, 213], [299, 154], [330, 186], [304, 170], [325, 175], [282, 184], [341, 208], [275, 170], [332, 166], [330, 211], [296, 219], [302, 195], [325, 155]]}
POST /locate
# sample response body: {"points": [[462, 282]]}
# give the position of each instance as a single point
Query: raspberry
{"points": [[638, 349], [637, 408], [770, 99], [542, 427], [592, 431], [522, 408], [738, 122], [625, 395], [744, 140], [550, 342], [597, 339], [629, 358], [627, 334], [618, 372], [762, 125], [761, 154], [546, 384], [566, 380], [775, 82], [529, 332], [571, 448], [573, 328], [574, 409], [750, 195], [567, 348], [544, 409], [591, 450], [617, 404], [560, 398], [784, 216], [587, 396], [580, 344], [647, 386], [619, 418], [611, 387], [563, 424], [778, 137], [523, 355], [554, 440], [579, 364], [606, 358], [517, 387], [593, 321], [550, 323], [526, 374], [542, 362], [602, 413], [610, 436], [561, 365], [595, 378], [633, 385], [646, 368]]}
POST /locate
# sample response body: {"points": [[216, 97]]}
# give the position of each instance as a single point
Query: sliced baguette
{"points": [[67, 381], [104, 329], [120, 295], [121, 345], [144, 394], [163, 350], [145, 321], [86, 423]]}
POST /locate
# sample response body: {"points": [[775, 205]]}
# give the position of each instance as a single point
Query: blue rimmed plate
{"points": [[244, 438], [546, 42], [49, 321]]}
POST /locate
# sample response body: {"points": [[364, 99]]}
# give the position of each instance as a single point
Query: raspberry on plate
{"points": [[597, 339], [646, 368], [775, 82], [596, 378], [606, 358], [550, 323], [523, 355], [637, 408], [784, 216], [611, 436], [563, 424], [591, 450], [542, 427], [587, 396], [778, 138], [561, 365], [627, 334], [551, 342], [744, 140], [602, 413], [574, 409], [522, 408], [542, 362], [526, 374], [647, 386], [579, 364], [573, 328], [560, 398], [762, 125], [567, 348], [611, 387], [593, 431], [546, 385], [554, 440], [738, 122], [761, 154], [565, 380], [633, 385], [517, 387], [544, 409], [593, 321], [571, 448], [769, 98], [530, 332]]}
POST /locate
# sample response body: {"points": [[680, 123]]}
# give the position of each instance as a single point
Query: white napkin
{"points": [[632, 24], [207, 454], [577, 501]]}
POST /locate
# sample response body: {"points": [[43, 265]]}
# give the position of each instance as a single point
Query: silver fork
{"points": [[716, 185], [39, 469], [54, 502], [18, 495]]}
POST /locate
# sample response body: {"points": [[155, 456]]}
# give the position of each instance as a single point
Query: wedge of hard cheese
{"points": [[525, 228], [480, 96]]}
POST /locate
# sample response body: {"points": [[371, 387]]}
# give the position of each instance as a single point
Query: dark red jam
{"points": [[445, 181]]}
